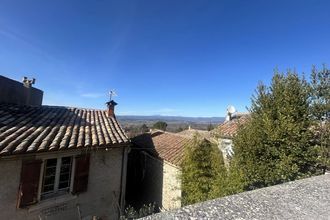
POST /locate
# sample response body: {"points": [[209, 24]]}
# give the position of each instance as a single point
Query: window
{"points": [[42, 179], [56, 177]]}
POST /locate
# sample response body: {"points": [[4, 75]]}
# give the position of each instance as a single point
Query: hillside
{"points": [[132, 123]]}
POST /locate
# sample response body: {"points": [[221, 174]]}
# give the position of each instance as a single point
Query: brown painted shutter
{"points": [[81, 174], [28, 188]]}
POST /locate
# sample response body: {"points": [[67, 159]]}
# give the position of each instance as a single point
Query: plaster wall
{"points": [[102, 198]]}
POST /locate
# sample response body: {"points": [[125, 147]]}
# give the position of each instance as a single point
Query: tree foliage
{"points": [[286, 138], [210, 127], [161, 125], [320, 94], [181, 128], [144, 128], [202, 170], [135, 130], [320, 108], [275, 146]]}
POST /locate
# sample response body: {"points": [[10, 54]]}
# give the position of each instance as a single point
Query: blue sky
{"points": [[180, 57]]}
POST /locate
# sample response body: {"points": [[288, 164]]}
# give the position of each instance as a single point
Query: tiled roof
{"points": [[25, 129], [190, 133], [229, 128], [165, 145]]}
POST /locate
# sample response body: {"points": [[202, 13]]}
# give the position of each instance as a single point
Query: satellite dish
{"points": [[231, 109]]}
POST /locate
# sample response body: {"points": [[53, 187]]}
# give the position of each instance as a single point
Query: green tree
{"points": [[275, 146], [201, 168], [179, 129], [144, 128], [320, 108], [161, 125], [210, 127], [320, 91]]}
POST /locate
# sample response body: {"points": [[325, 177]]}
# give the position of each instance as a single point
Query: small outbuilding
{"points": [[154, 169]]}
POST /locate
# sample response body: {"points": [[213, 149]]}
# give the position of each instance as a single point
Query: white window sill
{"points": [[52, 202]]}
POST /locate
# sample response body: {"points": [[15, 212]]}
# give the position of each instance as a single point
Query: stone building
{"points": [[60, 162], [154, 170]]}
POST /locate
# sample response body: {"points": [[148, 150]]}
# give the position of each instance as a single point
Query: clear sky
{"points": [[170, 57]]}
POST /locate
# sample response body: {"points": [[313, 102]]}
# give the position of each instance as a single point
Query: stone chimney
{"points": [[28, 82], [20, 93], [111, 108]]}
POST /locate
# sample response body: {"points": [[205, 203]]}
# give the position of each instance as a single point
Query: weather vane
{"points": [[111, 94]]}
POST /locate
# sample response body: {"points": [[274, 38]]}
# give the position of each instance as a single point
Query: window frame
{"points": [[57, 192]]}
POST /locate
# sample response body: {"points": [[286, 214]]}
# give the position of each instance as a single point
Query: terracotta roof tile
{"points": [[229, 128], [190, 133], [25, 129], [165, 145]]}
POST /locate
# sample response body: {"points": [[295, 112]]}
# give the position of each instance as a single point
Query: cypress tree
{"points": [[320, 111], [275, 146], [200, 170]]}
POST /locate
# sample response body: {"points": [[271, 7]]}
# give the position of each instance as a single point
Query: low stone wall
{"points": [[303, 199]]}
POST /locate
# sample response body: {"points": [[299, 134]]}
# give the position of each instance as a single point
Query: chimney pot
{"points": [[28, 82], [111, 108]]}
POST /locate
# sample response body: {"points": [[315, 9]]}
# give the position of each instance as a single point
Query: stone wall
{"points": [[152, 181], [171, 187], [101, 199], [226, 147], [162, 184]]}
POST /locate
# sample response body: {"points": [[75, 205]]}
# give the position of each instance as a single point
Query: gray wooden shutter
{"points": [[81, 174], [28, 187]]}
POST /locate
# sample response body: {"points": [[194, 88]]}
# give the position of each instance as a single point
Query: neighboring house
{"points": [[154, 169], [59, 162], [226, 131]]}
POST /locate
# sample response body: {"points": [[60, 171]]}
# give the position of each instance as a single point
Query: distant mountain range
{"points": [[169, 119]]}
